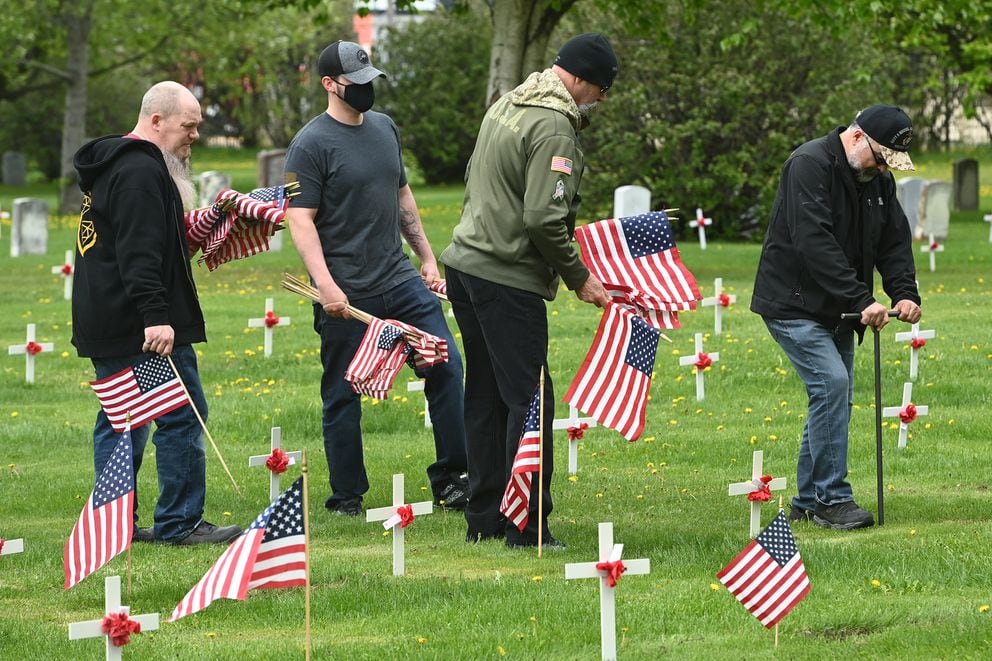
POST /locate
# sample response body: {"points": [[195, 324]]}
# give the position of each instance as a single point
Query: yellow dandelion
{"points": [[714, 586], [599, 494], [420, 639], [210, 634], [649, 439], [501, 650], [912, 533], [573, 478], [14, 414], [875, 583], [984, 608], [227, 514], [536, 579]]}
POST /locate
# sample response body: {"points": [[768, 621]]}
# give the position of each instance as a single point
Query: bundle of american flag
{"points": [[386, 345], [237, 225]]}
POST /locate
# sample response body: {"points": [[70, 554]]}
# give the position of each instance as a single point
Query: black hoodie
{"points": [[132, 266]]}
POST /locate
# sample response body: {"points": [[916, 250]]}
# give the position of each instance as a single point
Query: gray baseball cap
{"points": [[348, 59]]}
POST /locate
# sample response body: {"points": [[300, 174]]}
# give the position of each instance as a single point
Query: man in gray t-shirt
{"points": [[354, 203]]}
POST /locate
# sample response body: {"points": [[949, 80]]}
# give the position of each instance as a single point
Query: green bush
{"points": [[436, 89]]}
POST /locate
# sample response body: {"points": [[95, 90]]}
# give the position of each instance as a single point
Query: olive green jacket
{"points": [[521, 192]]}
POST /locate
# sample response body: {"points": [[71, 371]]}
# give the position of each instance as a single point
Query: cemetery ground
{"points": [[918, 587]]}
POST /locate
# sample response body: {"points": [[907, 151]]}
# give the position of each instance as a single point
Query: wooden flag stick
{"points": [[306, 551], [129, 572], [780, 508], [203, 424], [540, 465]]}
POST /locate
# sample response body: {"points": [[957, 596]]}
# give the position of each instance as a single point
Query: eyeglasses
{"points": [[879, 161]]}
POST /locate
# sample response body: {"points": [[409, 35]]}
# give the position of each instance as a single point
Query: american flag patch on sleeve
{"points": [[561, 164]]}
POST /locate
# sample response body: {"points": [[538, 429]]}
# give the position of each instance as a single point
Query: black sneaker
{"points": [[349, 507], [454, 496], [799, 515], [842, 516], [143, 535], [549, 542], [208, 533]]}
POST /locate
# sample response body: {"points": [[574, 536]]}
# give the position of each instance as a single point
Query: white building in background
{"points": [[383, 15]]}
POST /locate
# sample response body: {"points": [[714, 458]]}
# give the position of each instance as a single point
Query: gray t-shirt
{"points": [[352, 175]]}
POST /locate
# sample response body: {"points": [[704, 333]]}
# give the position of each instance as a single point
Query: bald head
{"points": [[169, 118]]}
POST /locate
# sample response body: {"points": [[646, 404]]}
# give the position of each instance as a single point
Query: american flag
{"points": [[242, 232], [440, 289], [613, 382], [425, 349], [768, 576], [145, 391], [378, 359], [270, 554], [105, 525], [639, 253], [515, 505]]}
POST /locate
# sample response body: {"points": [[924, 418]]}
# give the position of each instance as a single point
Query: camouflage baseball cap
{"points": [[348, 59], [892, 129]]}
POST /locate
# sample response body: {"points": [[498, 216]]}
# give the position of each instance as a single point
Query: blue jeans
{"points": [[179, 453], [825, 363], [412, 303]]}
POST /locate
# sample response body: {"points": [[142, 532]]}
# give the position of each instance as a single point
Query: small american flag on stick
{"points": [[144, 392], [106, 523], [515, 505], [270, 554]]}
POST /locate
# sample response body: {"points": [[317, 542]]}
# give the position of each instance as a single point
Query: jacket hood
{"points": [[544, 89], [97, 155]]}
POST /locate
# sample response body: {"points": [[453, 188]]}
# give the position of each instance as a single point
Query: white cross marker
{"points": [[696, 357], [911, 336], [573, 420], [418, 386], [742, 488], [719, 301], [390, 517], [988, 219], [29, 349], [933, 248], [701, 223], [608, 552], [66, 270], [112, 602], [259, 460], [11, 546], [894, 411], [268, 322]]}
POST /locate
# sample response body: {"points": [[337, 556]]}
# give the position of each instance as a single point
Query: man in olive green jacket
{"points": [[508, 252]]}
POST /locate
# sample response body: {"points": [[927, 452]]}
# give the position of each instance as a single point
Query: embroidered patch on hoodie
{"points": [[561, 164]]}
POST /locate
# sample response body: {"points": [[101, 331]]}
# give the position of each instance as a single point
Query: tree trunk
{"points": [[521, 30], [77, 18]]}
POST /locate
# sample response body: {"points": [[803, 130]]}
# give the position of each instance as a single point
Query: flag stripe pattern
{"points": [[271, 553], [639, 252], [515, 505], [768, 576], [378, 359], [440, 288], [425, 349], [105, 525], [613, 381], [146, 390], [242, 232]]}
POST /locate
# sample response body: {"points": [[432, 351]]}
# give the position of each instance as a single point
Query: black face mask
{"points": [[359, 97]]}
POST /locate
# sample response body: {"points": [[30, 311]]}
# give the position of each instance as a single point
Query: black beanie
{"points": [[590, 57]]}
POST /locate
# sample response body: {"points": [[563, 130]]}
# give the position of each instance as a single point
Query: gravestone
{"points": [[935, 210], [211, 183], [631, 201], [908, 192], [29, 232], [15, 168], [966, 184], [270, 167]]}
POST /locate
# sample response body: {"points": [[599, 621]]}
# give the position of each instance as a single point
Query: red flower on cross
{"points": [[33, 348], [725, 300], [278, 461], [271, 319], [613, 571], [406, 515], [764, 492], [575, 433], [703, 361], [917, 342], [908, 414], [67, 269], [119, 627]]}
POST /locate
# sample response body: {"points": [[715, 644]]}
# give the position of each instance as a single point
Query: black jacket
{"points": [[826, 235], [132, 266]]}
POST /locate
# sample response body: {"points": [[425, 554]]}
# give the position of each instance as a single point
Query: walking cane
{"points": [[878, 413]]}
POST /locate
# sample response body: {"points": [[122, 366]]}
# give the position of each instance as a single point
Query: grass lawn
{"points": [[919, 587]]}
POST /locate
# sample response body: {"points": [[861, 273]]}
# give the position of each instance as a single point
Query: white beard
{"points": [[182, 175]]}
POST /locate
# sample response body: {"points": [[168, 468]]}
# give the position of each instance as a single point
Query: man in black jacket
{"points": [[836, 219], [133, 294]]}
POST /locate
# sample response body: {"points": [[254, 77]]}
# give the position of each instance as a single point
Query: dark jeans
{"points": [[412, 303], [505, 336], [179, 454]]}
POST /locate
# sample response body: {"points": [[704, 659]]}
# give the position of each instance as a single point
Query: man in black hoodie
{"points": [[834, 221], [133, 294]]}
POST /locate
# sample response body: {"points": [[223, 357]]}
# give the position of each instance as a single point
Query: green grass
{"points": [[665, 494]]}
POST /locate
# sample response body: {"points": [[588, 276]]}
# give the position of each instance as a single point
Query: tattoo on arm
{"points": [[411, 229]]}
